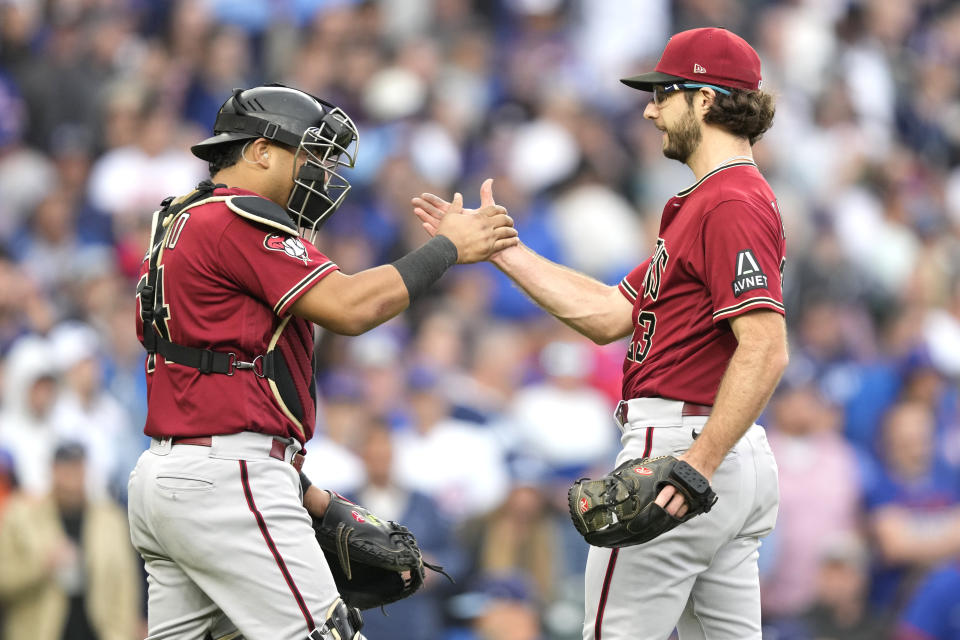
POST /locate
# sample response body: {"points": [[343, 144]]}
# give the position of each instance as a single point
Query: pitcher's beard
{"points": [[684, 138]]}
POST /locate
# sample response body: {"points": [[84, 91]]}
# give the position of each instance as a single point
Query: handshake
{"points": [[478, 236]]}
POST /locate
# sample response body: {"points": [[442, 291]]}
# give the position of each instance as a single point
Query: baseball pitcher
{"points": [[676, 526]]}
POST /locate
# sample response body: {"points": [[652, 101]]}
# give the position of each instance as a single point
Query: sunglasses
{"points": [[660, 92]]}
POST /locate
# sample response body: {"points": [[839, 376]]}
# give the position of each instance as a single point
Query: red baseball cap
{"points": [[710, 56]]}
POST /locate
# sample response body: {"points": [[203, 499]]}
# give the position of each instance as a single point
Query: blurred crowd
{"points": [[467, 417]]}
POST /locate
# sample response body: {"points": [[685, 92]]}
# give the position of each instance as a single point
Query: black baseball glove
{"points": [[618, 510], [374, 562]]}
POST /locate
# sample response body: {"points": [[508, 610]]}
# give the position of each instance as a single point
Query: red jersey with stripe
{"points": [[720, 253], [227, 283]]}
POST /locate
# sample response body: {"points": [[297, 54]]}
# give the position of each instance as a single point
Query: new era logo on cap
{"points": [[698, 69]]}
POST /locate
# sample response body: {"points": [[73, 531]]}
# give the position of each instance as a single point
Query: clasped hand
{"points": [[477, 233]]}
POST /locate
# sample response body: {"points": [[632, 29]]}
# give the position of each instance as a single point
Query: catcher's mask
{"points": [[319, 132]]}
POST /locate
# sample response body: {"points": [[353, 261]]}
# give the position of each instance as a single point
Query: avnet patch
{"points": [[749, 274]]}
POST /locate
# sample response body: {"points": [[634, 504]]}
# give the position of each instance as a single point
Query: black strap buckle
{"points": [[255, 365], [271, 130]]}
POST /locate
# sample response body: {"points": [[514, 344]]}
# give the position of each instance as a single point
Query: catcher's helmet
{"points": [[310, 126]]}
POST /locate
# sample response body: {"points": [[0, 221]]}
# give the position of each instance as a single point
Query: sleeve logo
{"points": [[749, 274], [291, 246]]}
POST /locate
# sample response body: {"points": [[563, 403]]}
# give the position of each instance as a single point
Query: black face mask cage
{"points": [[319, 187]]}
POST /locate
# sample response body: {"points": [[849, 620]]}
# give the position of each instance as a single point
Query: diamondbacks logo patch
{"points": [[749, 274], [290, 245]]}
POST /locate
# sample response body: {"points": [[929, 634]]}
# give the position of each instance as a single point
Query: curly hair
{"points": [[747, 114]]}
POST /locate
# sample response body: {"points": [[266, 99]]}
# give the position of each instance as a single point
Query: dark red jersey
{"points": [[720, 253], [227, 283]]}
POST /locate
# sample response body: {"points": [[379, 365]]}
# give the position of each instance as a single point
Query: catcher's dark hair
{"points": [[743, 113], [225, 155]]}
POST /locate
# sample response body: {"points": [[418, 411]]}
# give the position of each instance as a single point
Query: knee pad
{"points": [[342, 623]]}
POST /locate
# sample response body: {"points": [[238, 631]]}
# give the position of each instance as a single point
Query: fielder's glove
{"points": [[618, 510], [374, 562]]}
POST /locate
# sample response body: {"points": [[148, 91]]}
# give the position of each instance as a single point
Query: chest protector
{"points": [[271, 364]]}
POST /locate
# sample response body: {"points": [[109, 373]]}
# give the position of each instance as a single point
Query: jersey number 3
{"points": [[643, 337]]}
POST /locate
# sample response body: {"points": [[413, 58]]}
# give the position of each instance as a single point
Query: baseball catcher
{"points": [[618, 510], [373, 561]]}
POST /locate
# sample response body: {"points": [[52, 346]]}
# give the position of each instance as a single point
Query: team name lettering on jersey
{"points": [[749, 274], [658, 264]]}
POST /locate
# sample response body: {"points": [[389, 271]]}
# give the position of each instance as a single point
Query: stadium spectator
{"points": [[561, 420], [524, 535], [84, 412], [27, 429], [443, 457], [421, 616], [25, 172], [50, 251], [500, 606], [23, 307], [66, 567], [819, 495], [495, 368], [344, 417], [933, 613], [841, 610], [912, 502], [440, 340], [376, 357]]}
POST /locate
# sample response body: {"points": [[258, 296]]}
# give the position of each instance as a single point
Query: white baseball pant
{"points": [[700, 577], [228, 545]]}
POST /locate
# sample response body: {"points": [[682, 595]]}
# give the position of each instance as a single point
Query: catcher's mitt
{"points": [[618, 510], [374, 562]]}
